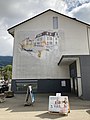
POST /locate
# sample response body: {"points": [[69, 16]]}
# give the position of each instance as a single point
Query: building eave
{"points": [[12, 28], [68, 59]]}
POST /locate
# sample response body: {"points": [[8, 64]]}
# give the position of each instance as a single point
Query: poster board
{"points": [[58, 104], [29, 96]]}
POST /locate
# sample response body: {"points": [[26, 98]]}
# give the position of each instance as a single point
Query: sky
{"points": [[13, 12]]}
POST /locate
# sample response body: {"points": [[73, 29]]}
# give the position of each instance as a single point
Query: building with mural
{"points": [[52, 55]]}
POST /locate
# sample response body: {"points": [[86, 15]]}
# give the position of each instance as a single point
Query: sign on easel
{"points": [[29, 96], [58, 104], [58, 94]]}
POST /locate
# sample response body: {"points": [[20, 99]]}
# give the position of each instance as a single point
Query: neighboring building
{"points": [[52, 53]]}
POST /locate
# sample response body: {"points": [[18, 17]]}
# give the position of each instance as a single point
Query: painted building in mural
{"points": [[52, 55], [44, 41], [47, 39]]}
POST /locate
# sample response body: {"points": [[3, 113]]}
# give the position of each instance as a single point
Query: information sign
{"points": [[58, 104]]}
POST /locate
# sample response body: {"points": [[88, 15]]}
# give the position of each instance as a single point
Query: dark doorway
{"points": [[73, 75], [74, 86]]}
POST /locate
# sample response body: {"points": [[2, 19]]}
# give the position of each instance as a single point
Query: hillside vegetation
{"points": [[5, 60]]}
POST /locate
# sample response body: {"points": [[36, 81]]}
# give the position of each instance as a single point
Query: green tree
{"points": [[6, 72], [1, 72]]}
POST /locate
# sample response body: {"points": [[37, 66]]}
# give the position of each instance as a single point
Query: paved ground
{"points": [[13, 109]]}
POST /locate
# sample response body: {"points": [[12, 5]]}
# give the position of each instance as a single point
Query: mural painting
{"points": [[40, 44]]}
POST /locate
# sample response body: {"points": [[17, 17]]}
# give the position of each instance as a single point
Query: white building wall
{"points": [[27, 66], [74, 33], [73, 40]]}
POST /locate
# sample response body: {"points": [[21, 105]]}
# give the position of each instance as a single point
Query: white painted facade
{"points": [[73, 41], [36, 55]]}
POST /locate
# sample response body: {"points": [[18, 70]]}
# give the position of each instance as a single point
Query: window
{"points": [[63, 83], [38, 43], [56, 43], [37, 39], [50, 43], [55, 22], [50, 38], [41, 39], [23, 86], [47, 38]]}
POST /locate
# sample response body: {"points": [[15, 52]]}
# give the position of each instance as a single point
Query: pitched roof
{"points": [[45, 12]]}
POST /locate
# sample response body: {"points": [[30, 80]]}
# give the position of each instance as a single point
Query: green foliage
{"points": [[6, 72]]}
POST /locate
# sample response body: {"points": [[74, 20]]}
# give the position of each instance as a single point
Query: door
{"points": [[73, 75], [75, 86]]}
